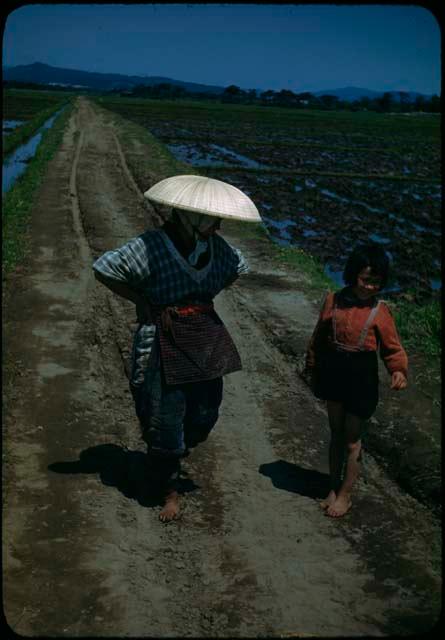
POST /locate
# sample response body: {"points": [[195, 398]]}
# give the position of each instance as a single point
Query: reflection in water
{"points": [[333, 195], [379, 239], [223, 156], [310, 233], [9, 125], [244, 160]]}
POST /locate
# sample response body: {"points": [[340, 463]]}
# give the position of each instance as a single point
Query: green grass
{"points": [[18, 201], [420, 325], [300, 260]]}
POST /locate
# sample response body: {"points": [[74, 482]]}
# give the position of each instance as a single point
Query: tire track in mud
{"points": [[125, 168], [85, 244], [85, 253]]}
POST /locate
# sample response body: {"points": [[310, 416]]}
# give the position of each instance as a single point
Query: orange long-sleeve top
{"points": [[351, 315]]}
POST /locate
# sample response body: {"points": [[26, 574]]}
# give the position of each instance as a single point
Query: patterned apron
{"points": [[194, 344]]}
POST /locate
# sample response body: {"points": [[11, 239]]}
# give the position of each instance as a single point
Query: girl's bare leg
{"points": [[336, 415], [342, 504]]}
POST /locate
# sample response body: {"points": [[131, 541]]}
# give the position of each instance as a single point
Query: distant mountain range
{"points": [[45, 74]]}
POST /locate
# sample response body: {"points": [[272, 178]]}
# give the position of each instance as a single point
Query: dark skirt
{"points": [[350, 378]]}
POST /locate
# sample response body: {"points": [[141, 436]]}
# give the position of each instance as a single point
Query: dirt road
{"points": [[253, 555]]}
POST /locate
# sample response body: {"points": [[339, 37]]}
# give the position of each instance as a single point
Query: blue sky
{"points": [[255, 46]]}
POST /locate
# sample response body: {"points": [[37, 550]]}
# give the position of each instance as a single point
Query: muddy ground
{"points": [[84, 553]]}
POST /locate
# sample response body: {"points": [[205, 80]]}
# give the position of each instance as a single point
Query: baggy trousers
{"points": [[174, 418]]}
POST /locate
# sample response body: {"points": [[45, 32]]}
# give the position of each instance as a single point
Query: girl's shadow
{"points": [[121, 468], [306, 482]]}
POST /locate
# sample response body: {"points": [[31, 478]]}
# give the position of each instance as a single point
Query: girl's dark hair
{"points": [[367, 255]]}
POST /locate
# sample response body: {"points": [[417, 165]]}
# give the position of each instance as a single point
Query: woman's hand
{"points": [[398, 381]]}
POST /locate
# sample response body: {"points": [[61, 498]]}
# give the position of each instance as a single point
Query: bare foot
{"points": [[170, 510], [327, 502], [340, 507]]}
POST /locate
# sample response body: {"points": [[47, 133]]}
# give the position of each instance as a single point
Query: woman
{"points": [[181, 348]]}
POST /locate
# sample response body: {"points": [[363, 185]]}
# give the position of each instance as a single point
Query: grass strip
{"points": [[23, 133], [19, 200], [420, 325]]}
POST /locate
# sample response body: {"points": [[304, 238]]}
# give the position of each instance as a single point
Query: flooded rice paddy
{"points": [[321, 181]]}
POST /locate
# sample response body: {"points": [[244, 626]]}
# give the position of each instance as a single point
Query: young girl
{"points": [[342, 364]]}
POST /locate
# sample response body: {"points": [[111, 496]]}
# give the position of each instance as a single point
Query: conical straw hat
{"points": [[204, 195]]}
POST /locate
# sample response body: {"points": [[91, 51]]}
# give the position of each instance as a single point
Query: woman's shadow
{"points": [[290, 477], [121, 468]]}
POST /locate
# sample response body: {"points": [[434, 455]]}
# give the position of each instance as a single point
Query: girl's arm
{"points": [[391, 351]]}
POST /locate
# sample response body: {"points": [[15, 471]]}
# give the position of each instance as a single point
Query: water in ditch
{"points": [[16, 163]]}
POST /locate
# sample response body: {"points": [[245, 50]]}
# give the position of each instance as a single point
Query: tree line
{"points": [[388, 101]]}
